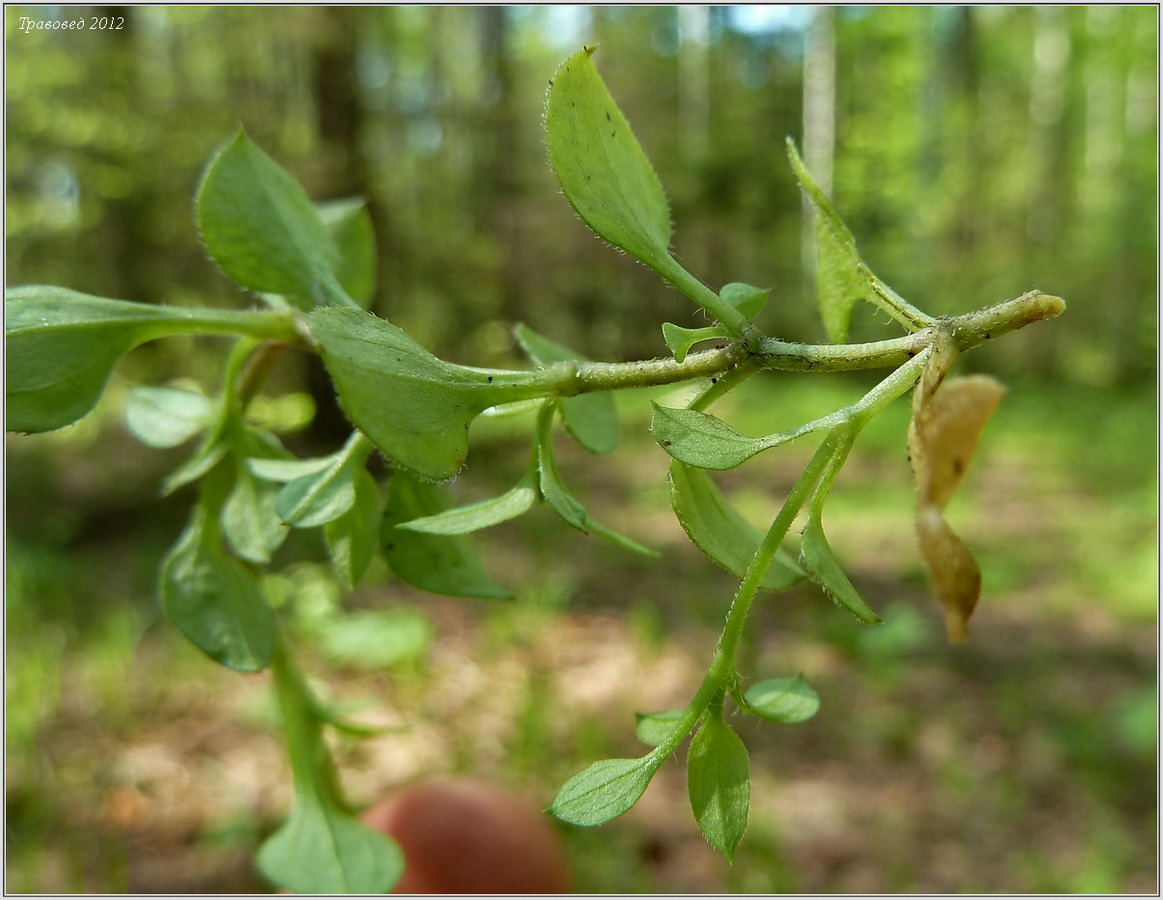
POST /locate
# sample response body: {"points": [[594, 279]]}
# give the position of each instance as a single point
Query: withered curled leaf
{"points": [[947, 423]]}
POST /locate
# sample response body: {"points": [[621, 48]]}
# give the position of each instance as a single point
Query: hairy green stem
{"points": [[726, 314], [721, 673], [311, 766], [720, 386], [889, 301], [568, 378], [813, 483], [261, 324], [258, 369], [723, 663]]}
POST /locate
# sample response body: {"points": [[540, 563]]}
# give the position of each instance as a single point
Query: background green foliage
{"points": [[979, 152]]}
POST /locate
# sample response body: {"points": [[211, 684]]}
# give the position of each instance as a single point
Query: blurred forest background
{"points": [[976, 153]]}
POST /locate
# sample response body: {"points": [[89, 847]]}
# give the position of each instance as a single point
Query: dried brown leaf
{"points": [[946, 426]]}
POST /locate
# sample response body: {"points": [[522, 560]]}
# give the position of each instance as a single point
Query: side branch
{"points": [[969, 330]]}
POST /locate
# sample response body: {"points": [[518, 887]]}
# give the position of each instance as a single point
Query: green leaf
{"points": [[842, 278], [320, 850], [442, 564], [250, 522], [654, 728], [591, 418], [679, 340], [321, 497], [552, 488], [702, 440], [352, 539], [284, 470], [415, 407], [517, 501], [554, 492], [821, 565], [601, 167], [717, 528], [61, 346], [719, 784], [603, 790], [261, 227], [209, 453], [747, 299], [786, 700], [839, 280], [214, 601], [351, 228], [166, 417]]}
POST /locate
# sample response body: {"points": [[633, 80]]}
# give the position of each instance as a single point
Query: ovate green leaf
{"points": [[719, 783], [517, 501], [250, 522], [354, 235], [786, 700], [61, 346], [166, 417], [261, 227], [679, 340], [415, 407], [320, 850], [284, 470], [591, 418], [319, 498], [702, 440], [442, 564], [654, 728], [717, 528], [820, 563], [352, 539], [603, 790], [215, 601], [601, 167]]}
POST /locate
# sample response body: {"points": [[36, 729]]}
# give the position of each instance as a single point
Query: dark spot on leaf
{"points": [[714, 381], [608, 119], [611, 134], [958, 466], [389, 546], [490, 379], [666, 443]]}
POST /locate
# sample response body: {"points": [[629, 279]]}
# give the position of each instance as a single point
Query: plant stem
{"points": [[311, 765], [721, 673], [568, 378], [260, 324], [719, 386], [258, 368], [726, 314], [888, 300], [723, 663]]}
